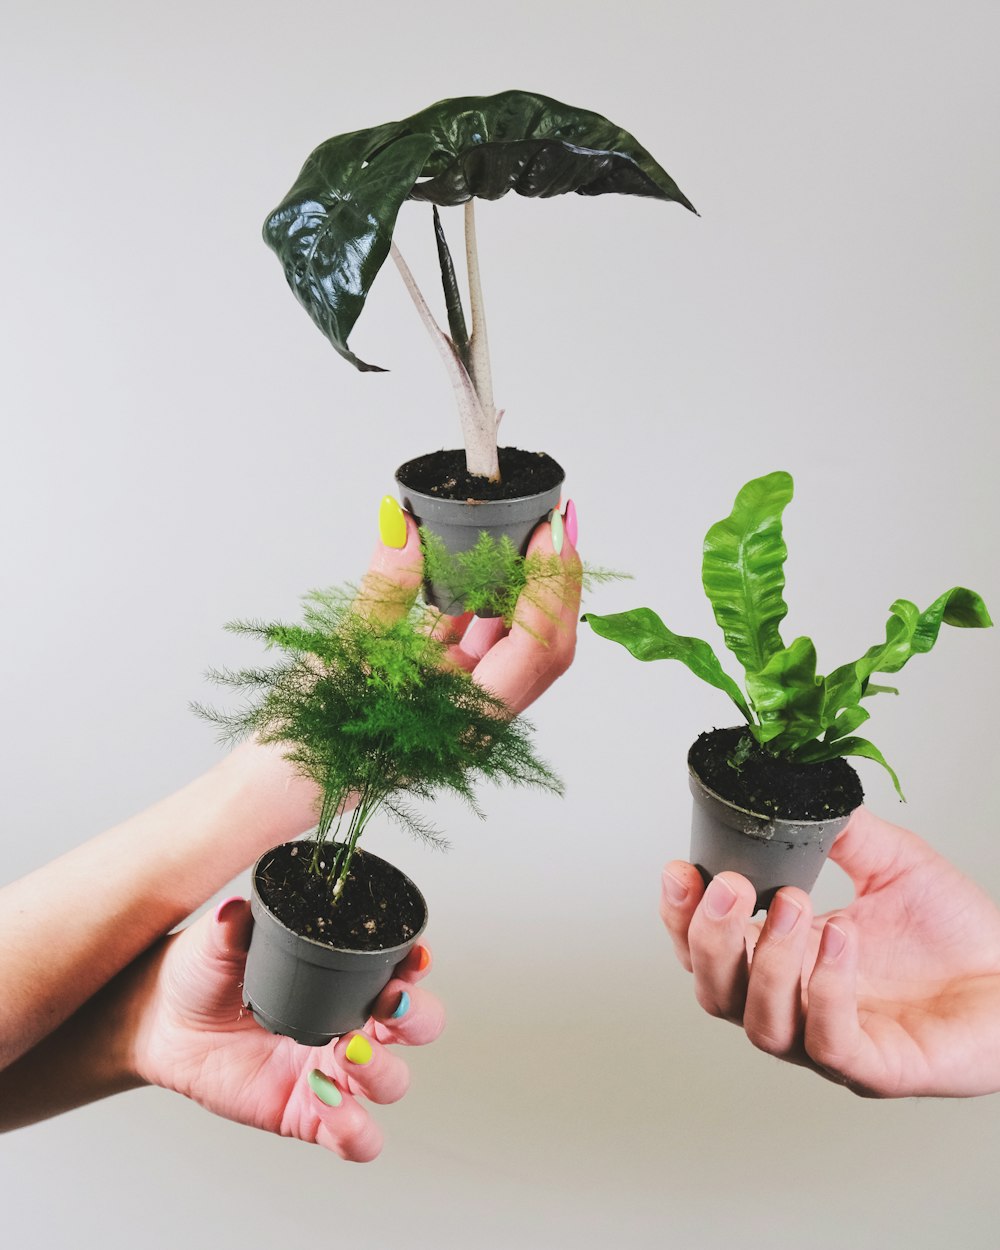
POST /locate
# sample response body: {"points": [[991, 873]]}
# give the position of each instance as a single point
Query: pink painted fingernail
{"points": [[832, 944], [720, 898], [570, 521], [225, 909], [674, 888]]}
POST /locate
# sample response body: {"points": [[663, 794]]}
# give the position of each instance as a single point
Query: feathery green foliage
{"points": [[371, 712], [490, 577], [792, 710]]}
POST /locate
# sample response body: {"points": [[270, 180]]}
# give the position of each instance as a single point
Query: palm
{"points": [[928, 974], [197, 1038]]}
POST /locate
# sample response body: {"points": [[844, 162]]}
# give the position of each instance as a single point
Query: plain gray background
{"points": [[182, 447]]}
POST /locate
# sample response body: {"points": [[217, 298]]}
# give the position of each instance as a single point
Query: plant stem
{"points": [[479, 344], [478, 426]]}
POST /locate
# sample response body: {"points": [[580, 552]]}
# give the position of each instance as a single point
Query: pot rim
{"points": [[472, 502], [758, 820], [256, 900]]}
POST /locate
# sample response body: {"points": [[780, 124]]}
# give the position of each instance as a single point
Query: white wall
{"points": [[181, 447]]}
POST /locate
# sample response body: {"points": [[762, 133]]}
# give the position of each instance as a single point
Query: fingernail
{"points": [[359, 1050], [720, 898], [832, 945], [782, 915], [556, 522], [674, 888], [423, 958], [571, 523], [225, 908], [324, 1088], [402, 1007], [391, 523]]}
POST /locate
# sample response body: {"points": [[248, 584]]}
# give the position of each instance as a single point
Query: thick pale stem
{"points": [[478, 426], [479, 344]]}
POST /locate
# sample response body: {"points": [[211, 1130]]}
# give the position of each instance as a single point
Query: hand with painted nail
{"points": [[193, 1036], [518, 664], [896, 995], [175, 1018]]}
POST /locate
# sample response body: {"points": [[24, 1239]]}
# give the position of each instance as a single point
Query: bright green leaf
{"points": [[743, 571], [643, 633], [787, 696]]}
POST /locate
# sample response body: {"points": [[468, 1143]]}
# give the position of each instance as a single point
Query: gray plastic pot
{"points": [[307, 990], [459, 522], [769, 852]]}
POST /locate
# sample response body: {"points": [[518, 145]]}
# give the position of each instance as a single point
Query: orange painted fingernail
{"points": [[423, 957]]}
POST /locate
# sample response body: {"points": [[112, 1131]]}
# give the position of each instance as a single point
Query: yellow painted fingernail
{"points": [[359, 1050], [391, 523]]}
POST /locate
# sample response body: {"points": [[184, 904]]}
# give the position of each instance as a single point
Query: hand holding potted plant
{"points": [[371, 713], [334, 230], [771, 796]]}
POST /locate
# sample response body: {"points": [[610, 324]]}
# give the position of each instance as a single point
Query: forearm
{"points": [[88, 1057], [72, 925]]}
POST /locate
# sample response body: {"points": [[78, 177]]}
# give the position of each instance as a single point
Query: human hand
{"points": [[897, 994], [192, 1035], [517, 664]]}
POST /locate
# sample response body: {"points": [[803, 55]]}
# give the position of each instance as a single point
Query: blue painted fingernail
{"points": [[324, 1088], [402, 1007]]}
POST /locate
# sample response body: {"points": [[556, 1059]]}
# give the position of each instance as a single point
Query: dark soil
{"points": [[770, 785], [443, 474], [378, 908]]}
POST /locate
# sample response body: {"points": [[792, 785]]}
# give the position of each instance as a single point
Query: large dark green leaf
{"points": [[333, 230], [643, 633], [743, 570]]}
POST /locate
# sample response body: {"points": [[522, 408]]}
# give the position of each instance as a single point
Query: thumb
{"points": [[874, 852], [211, 957]]}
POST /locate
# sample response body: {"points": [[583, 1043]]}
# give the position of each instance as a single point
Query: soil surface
{"points": [[444, 475], [771, 786], [378, 908]]}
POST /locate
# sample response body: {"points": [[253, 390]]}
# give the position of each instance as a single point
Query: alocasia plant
{"points": [[333, 230], [791, 709]]}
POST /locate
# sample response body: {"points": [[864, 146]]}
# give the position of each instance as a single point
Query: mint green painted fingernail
{"points": [[324, 1088], [558, 530], [402, 1007]]}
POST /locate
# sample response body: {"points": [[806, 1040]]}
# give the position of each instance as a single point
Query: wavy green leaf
{"points": [[643, 633], [908, 632], [333, 229], [743, 571], [787, 696], [818, 752]]}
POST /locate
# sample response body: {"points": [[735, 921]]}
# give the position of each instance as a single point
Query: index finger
{"points": [[542, 639], [389, 588]]}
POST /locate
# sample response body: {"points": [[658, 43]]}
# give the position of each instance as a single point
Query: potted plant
{"points": [[771, 796], [369, 711], [333, 231]]}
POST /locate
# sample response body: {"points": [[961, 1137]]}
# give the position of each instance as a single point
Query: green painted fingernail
{"points": [[556, 523], [324, 1088]]}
